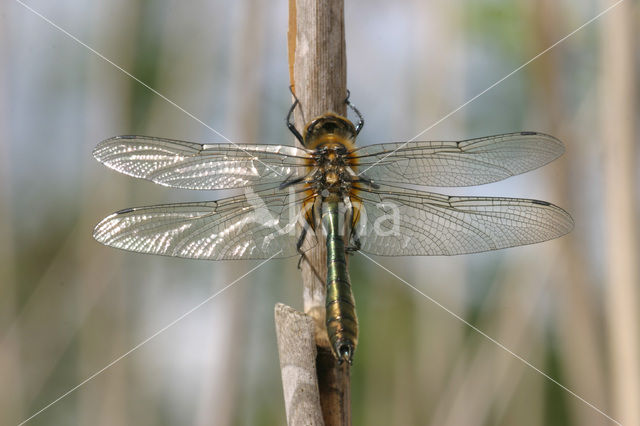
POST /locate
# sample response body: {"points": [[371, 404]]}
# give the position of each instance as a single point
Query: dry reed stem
{"points": [[317, 49]]}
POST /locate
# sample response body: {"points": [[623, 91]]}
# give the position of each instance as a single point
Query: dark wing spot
{"points": [[542, 203], [124, 211]]}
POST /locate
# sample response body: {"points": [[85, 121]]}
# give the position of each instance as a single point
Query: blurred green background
{"points": [[69, 306]]}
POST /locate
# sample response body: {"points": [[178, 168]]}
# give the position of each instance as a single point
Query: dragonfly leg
{"points": [[355, 243], [368, 182], [360, 123], [290, 125], [288, 181], [354, 240], [304, 257], [303, 235]]}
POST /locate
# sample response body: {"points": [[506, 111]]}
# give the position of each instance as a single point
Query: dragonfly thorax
{"points": [[333, 170], [331, 137]]}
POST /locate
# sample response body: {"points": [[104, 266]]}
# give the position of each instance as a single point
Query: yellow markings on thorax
{"points": [[330, 139]]}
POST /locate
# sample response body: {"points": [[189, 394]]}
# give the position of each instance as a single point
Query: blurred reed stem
{"points": [[11, 397], [618, 114], [579, 344]]}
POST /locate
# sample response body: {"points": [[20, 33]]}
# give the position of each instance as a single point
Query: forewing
{"points": [[194, 166], [256, 225], [403, 222], [457, 163]]}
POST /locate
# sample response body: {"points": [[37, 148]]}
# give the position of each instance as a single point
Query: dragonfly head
{"points": [[329, 128]]}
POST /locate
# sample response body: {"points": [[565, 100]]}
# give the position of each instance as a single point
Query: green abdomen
{"points": [[342, 323]]}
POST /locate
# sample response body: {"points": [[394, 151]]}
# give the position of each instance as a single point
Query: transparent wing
{"points": [[256, 225], [194, 166], [458, 163], [404, 222]]}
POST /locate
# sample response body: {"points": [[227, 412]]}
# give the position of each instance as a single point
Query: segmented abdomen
{"points": [[342, 323]]}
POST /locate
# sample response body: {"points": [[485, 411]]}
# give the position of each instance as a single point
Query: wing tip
{"points": [[569, 223], [560, 148], [562, 219], [100, 149], [99, 230]]}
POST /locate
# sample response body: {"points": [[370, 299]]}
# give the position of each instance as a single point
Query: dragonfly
{"points": [[358, 198]]}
